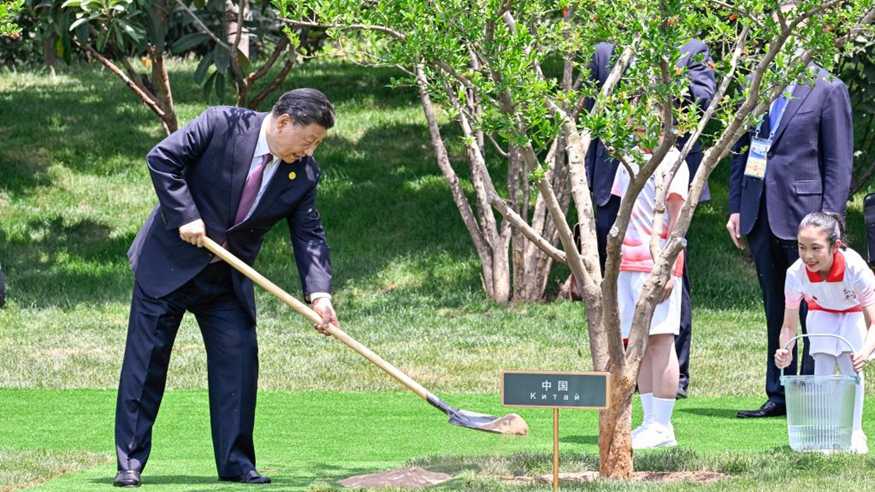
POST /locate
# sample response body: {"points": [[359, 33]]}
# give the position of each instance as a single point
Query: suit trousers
{"points": [[772, 257], [605, 217], [229, 336]]}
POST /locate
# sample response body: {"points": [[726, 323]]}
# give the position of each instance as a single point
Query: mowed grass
{"points": [[74, 190], [310, 440]]}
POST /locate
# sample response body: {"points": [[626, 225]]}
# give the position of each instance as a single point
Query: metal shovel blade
{"points": [[508, 424]]}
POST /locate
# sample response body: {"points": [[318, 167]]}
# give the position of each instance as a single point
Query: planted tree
{"points": [[237, 43], [514, 77]]}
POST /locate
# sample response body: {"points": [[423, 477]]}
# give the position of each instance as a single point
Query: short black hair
{"points": [[306, 106]]}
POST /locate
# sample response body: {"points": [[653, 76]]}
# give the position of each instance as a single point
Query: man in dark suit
{"points": [[230, 174], [796, 161], [601, 168]]}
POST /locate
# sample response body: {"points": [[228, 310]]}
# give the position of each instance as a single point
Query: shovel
{"points": [[509, 424]]}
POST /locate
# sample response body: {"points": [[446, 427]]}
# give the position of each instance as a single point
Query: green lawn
{"points": [[74, 189], [308, 440]]}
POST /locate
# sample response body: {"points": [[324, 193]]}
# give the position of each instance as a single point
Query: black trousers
{"points": [[772, 257], [605, 217], [232, 364]]}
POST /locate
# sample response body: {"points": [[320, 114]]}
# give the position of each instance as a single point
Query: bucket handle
{"points": [[790, 342]]}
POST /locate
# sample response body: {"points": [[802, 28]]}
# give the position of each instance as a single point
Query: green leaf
{"points": [[134, 33], [79, 22], [220, 86], [71, 4], [223, 61], [119, 40], [201, 71], [243, 62], [208, 86], [102, 39], [189, 41]]}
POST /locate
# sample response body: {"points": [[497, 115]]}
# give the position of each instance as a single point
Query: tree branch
{"points": [[461, 201], [531, 234], [265, 68], [135, 77], [479, 174], [239, 80], [203, 27], [150, 101], [715, 101], [276, 82], [348, 27]]}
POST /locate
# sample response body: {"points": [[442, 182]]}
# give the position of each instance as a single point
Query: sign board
{"points": [[555, 389]]}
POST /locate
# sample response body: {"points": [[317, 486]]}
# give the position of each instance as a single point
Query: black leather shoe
{"points": [[251, 477], [127, 478], [769, 409]]}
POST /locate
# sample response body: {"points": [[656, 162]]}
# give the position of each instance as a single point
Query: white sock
{"points": [[662, 410], [847, 368], [647, 406]]}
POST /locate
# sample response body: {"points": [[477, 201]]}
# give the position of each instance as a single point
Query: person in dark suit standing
{"points": [[230, 174], [601, 168], [796, 161]]}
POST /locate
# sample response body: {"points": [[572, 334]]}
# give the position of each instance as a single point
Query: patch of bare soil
{"points": [[408, 478], [698, 477]]}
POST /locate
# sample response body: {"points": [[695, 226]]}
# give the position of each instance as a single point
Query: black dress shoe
{"points": [[127, 478], [251, 477], [769, 409]]}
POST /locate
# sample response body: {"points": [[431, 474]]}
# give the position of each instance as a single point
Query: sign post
{"points": [[555, 390]]}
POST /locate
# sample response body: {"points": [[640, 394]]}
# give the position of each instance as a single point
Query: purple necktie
{"points": [[250, 189]]}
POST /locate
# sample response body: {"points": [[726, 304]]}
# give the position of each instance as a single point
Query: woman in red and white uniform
{"points": [[839, 289]]}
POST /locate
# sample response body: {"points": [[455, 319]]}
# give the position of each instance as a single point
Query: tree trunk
{"points": [[615, 430], [50, 57], [517, 185], [232, 12], [537, 273], [161, 81], [501, 286]]}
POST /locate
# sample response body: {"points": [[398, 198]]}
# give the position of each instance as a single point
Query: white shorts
{"points": [[851, 326], [666, 315]]}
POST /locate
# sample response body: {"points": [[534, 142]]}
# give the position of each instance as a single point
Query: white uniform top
{"points": [[635, 252], [835, 302]]}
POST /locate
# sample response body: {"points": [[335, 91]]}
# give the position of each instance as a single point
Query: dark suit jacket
{"points": [[199, 172], [809, 164], [696, 58]]}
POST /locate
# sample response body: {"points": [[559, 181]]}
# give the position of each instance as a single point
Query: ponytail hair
{"points": [[828, 222]]}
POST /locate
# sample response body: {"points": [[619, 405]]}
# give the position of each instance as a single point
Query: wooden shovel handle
{"points": [[305, 311]]}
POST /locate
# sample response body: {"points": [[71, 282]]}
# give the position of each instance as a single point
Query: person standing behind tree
{"points": [[658, 374], [797, 160], [696, 64]]}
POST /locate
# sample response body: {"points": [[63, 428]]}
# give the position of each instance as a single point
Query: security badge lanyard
{"points": [[759, 147]]}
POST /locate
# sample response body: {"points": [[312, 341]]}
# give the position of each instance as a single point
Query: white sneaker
{"points": [[654, 436], [640, 429], [858, 443]]}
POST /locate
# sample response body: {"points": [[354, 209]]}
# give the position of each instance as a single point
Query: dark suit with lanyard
{"points": [[796, 161]]}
